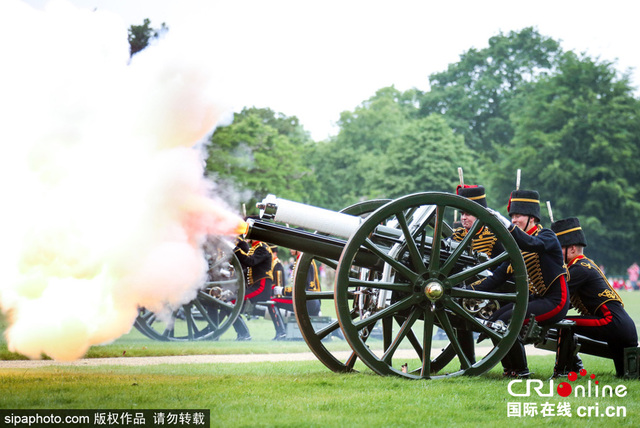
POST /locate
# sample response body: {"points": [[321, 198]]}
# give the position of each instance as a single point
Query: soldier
{"points": [[277, 269], [256, 258], [279, 280], [548, 292], [283, 296], [485, 241], [602, 315]]}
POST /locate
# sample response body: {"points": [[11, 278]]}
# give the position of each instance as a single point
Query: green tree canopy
{"points": [[261, 152], [577, 141], [473, 94], [350, 166], [426, 158], [141, 35], [384, 149]]}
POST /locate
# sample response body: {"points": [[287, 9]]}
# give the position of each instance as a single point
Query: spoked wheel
{"points": [[316, 337], [210, 314], [419, 283]]}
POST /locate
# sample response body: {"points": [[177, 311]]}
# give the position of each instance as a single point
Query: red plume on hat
{"points": [[473, 192], [465, 186]]}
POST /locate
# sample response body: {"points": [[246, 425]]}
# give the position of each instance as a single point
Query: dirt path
{"points": [[194, 359]]}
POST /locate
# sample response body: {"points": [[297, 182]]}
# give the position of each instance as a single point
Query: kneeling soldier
{"points": [[602, 315]]}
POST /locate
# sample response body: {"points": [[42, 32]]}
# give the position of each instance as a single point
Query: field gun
{"points": [[398, 276]]}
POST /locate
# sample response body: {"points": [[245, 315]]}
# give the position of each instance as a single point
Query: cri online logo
{"points": [[564, 389]]}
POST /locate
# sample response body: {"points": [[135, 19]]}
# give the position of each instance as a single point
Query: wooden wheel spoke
{"points": [[477, 324], [427, 342], [475, 270], [395, 264], [482, 295], [326, 331], [319, 295], [351, 361], [214, 300], [393, 286], [461, 248], [191, 325], [386, 312], [205, 314], [443, 318], [434, 261], [416, 257], [404, 329], [328, 262]]}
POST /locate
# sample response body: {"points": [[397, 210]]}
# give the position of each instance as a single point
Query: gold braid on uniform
{"points": [[534, 273], [576, 302], [483, 242], [609, 294], [288, 289], [269, 273], [315, 284]]}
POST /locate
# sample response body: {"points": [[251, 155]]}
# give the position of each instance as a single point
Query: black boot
{"points": [[241, 329], [465, 338], [278, 323], [518, 361]]}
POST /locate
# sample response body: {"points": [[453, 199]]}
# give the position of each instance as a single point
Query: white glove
{"points": [[502, 219], [277, 290]]}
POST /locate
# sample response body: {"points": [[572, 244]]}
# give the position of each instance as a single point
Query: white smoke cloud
{"points": [[104, 206]]}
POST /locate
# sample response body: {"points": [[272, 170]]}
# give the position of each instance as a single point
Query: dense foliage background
{"points": [[568, 121]]}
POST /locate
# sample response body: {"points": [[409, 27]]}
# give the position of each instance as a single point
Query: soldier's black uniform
{"points": [[602, 315], [548, 291], [256, 262], [285, 301]]}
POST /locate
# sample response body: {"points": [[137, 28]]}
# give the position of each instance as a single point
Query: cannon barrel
{"points": [[309, 217], [301, 240], [341, 226]]}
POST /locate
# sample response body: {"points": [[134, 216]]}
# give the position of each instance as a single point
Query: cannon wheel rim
{"points": [[301, 295], [219, 317], [415, 301]]}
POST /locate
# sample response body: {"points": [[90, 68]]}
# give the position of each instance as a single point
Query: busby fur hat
{"points": [[569, 232], [475, 193], [525, 202]]}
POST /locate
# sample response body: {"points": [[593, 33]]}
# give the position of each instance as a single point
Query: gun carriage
{"points": [[396, 268], [400, 293]]}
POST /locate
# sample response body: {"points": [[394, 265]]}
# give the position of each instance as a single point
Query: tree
{"points": [[351, 166], [426, 159], [474, 93], [261, 153], [141, 35], [577, 141]]}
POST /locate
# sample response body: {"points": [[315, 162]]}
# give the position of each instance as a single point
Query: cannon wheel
{"points": [[209, 315], [422, 289], [301, 296]]}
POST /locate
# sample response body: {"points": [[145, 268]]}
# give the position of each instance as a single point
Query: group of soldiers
{"points": [[560, 276]]}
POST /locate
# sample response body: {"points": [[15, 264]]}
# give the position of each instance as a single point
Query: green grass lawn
{"points": [[301, 394]]}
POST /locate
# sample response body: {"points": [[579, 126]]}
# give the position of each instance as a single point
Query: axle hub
{"points": [[433, 290]]}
